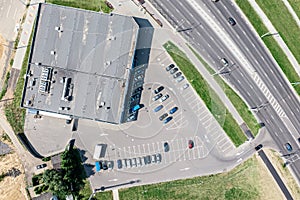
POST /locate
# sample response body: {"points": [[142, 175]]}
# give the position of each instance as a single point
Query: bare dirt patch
{"points": [[12, 188]]}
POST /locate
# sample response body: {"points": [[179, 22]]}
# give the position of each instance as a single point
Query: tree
{"points": [[70, 178], [54, 179]]}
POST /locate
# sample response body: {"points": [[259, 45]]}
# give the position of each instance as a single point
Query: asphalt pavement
{"points": [[203, 38]]}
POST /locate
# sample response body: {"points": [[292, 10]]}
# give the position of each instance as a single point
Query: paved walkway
{"points": [[277, 37], [115, 194], [25, 35]]}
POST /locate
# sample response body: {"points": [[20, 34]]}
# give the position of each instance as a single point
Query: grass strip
{"points": [[296, 6], [207, 94], [237, 102], [271, 43], [14, 113], [284, 23], [94, 5], [86, 192], [240, 183], [5, 86]]}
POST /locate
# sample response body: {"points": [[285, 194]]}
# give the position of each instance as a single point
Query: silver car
{"points": [[156, 97], [179, 79], [164, 98], [128, 163], [133, 160], [139, 161], [158, 158]]}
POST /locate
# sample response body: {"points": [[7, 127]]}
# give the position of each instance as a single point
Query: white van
{"points": [[98, 151]]}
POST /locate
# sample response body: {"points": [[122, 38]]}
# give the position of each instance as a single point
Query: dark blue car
{"points": [[288, 147], [168, 119], [173, 110], [158, 108]]}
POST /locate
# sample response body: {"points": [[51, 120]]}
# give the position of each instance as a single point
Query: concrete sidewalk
{"points": [[115, 194], [26, 32], [277, 37]]}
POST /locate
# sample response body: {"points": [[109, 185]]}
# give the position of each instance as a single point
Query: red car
{"points": [[191, 144]]}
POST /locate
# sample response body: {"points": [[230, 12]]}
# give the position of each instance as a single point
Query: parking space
{"points": [[178, 152], [212, 127]]}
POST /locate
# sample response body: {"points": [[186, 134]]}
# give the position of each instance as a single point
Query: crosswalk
{"points": [[269, 96]]}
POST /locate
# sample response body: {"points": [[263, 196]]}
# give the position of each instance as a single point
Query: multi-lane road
{"points": [[276, 101]]}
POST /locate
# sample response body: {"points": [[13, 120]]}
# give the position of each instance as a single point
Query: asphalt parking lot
{"points": [[147, 135], [143, 137]]}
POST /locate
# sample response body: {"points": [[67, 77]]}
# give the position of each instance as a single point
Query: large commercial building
{"points": [[81, 64]]}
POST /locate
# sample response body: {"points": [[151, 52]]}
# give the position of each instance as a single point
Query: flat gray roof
{"points": [[80, 62]]}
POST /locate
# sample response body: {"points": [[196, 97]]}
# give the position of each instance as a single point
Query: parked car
{"points": [[139, 71], [168, 119], [41, 166], [177, 75], [299, 139], [147, 159], [173, 110], [104, 164], [124, 163], [98, 166], [139, 161], [156, 97], [153, 158], [129, 163], [162, 117], [170, 67], [191, 144], [231, 21], [258, 147], [158, 158], [288, 147], [172, 71], [131, 117], [133, 160], [139, 77], [110, 165], [138, 90], [185, 86], [158, 108], [179, 79], [119, 163], [158, 90], [166, 147], [164, 98]]}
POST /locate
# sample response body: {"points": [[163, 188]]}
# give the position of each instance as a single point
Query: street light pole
{"points": [[296, 83]]}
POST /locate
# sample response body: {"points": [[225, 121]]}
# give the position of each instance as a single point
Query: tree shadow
{"points": [[87, 167]]}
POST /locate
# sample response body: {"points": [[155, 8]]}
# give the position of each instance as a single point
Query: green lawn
{"points": [[14, 113], [296, 6], [237, 102], [94, 5], [284, 23], [5, 86], [86, 192], [272, 45], [239, 184], [207, 94]]}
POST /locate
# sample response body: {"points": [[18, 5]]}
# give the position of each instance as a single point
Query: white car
{"points": [[164, 98], [185, 86]]}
